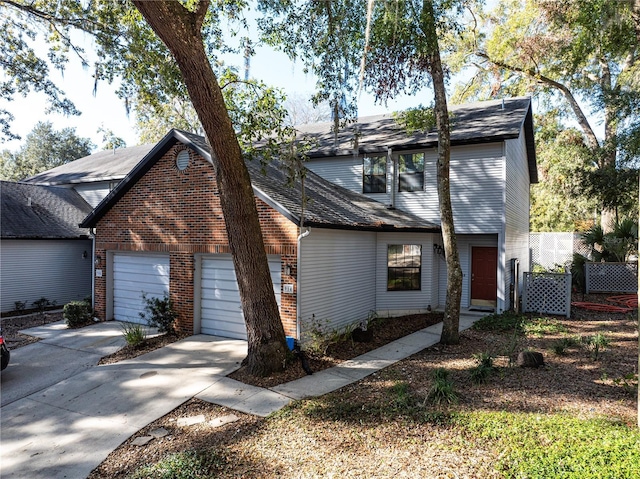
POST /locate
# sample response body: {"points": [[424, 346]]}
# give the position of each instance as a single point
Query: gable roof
{"points": [[106, 165], [33, 211], [329, 205], [473, 123]]}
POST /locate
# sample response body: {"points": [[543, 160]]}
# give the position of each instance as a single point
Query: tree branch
{"points": [[591, 138]]}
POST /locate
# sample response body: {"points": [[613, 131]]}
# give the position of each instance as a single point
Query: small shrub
{"points": [[560, 346], [41, 305], [628, 382], [20, 305], [441, 390], [77, 314], [402, 399], [159, 313], [596, 344], [134, 334], [484, 368], [318, 337]]}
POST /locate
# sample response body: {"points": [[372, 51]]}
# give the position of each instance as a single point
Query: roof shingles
{"points": [[33, 211]]}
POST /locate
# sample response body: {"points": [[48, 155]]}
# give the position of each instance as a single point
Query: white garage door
{"points": [[134, 275], [221, 312]]}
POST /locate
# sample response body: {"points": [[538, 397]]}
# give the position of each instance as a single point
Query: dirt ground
{"points": [[366, 443]]}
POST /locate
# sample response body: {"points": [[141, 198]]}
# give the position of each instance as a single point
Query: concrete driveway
{"points": [[61, 354], [78, 413]]}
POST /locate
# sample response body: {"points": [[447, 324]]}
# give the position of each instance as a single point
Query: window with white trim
{"points": [[374, 174], [411, 172], [404, 267]]}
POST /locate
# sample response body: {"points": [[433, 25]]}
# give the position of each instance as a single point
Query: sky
{"points": [[105, 110]]}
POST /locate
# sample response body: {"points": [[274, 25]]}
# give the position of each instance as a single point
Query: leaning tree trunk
{"points": [[180, 30], [451, 321]]}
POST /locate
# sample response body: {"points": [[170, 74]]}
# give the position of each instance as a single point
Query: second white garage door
{"points": [[134, 274], [221, 311]]}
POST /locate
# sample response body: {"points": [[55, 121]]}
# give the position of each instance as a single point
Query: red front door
{"points": [[484, 277]]}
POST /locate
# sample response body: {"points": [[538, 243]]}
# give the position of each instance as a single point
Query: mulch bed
{"points": [[11, 325], [384, 331], [369, 438]]}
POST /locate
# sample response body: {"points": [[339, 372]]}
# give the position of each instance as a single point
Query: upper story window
{"points": [[374, 174], [404, 265], [411, 172]]}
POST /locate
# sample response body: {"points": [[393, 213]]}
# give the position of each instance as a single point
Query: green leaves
{"points": [[44, 148]]}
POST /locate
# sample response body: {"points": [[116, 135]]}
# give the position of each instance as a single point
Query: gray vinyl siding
{"points": [[93, 193], [345, 171], [477, 179], [54, 269], [516, 209], [395, 303], [336, 278]]}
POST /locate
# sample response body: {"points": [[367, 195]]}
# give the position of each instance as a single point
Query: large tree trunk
{"points": [[180, 30], [451, 321]]}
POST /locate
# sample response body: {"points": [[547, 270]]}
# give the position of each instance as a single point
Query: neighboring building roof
{"points": [[47, 212], [480, 122], [329, 205], [106, 165]]}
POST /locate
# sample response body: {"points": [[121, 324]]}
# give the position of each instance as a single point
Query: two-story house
{"points": [[371, 240]]}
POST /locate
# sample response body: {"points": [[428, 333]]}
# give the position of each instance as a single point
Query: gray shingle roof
{"points": [[329, 205], [480, 122], [106, 165], [33, 211]]}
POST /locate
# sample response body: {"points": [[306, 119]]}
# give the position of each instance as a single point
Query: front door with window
{"points": [[484, 276]]}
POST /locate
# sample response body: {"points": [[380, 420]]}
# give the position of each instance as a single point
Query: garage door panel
{"points": [[220, 310], [212, 304], [134, 275]]}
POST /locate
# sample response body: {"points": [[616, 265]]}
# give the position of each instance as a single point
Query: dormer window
{"points": [[374, 174], [411, 172]]}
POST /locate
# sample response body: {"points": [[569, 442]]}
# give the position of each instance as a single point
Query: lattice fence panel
{"points": [[550, 250], [548, 293], [611, 277]]}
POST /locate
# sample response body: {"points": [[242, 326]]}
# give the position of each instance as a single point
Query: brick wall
{"points": [[179, 212]]}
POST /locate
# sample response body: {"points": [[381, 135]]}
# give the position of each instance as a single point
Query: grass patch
{"points": [[539, 447], [539, 327], [183, 465]]}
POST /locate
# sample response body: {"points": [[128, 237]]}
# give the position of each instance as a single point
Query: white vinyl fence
{"points": [[549, 250], [548, 293], [611, 277]]}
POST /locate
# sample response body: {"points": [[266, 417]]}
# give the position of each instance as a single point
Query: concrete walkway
{"points": [[69, 428]]}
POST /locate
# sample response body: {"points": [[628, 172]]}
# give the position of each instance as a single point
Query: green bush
{"points": [[77, 313], [159, 313]]}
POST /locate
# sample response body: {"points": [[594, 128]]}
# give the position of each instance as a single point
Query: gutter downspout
{"points": [[394, 168], [298, 297], [92, 234]]}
